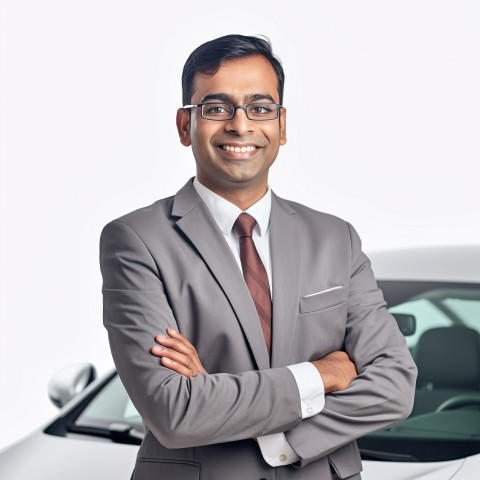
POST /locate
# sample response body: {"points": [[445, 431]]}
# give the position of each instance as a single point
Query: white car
{"points": [[434, 294]]}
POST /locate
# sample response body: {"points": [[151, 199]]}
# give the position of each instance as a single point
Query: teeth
{"points": [[230, 148]]}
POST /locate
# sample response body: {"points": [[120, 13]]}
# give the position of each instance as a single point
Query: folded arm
{"points": [[180, 411], [382, 393], [178, 354]]}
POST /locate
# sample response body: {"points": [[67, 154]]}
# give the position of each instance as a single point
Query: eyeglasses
{"points": [[225, 111]]}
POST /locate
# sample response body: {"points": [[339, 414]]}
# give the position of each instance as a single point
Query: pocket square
{"points": [[323, 291], [325, 299]]}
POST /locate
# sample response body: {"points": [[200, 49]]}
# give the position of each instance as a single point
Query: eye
{"points": [[261, 108], [217, 109]]}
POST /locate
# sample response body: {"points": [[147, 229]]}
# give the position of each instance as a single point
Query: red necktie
{"points": [[255, 274]]}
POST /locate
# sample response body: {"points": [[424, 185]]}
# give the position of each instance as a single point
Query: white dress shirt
{"points": [[275, 449]]}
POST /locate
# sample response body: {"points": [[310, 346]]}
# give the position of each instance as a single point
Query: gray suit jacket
{"points": [[169, 265]]}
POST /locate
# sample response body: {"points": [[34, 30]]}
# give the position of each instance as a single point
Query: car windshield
{"points": [[445, 421], [112, 406]]}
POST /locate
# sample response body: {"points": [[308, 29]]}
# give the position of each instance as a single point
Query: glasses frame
{"points": [[235, 108]]}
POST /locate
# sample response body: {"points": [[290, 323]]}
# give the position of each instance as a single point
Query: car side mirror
{"points": [[406, 323], [69, 382]]}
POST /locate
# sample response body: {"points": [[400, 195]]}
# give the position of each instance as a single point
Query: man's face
{"points": [[241, 81]]}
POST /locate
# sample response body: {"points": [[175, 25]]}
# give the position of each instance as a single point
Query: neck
{"points": [[243, 197]]}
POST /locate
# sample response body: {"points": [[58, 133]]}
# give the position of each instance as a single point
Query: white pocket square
{"points": [[323, 291]]}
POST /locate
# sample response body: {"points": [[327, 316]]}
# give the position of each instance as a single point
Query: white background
{"points": [[383, 105]]}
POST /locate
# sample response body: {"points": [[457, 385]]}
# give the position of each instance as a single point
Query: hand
{"points": [[336, 370], [180, 356]]}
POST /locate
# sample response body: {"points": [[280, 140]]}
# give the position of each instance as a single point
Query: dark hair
{"points": [[210, 56]]}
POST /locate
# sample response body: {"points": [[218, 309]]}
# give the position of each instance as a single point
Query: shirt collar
{"points": [[225, 213]]}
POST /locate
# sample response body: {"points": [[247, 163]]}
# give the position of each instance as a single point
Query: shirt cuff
{"points": [[276, 451], [311, 388]]}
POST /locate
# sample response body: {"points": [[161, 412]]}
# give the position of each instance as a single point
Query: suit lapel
{"points": [[285, 250], [197, 223]]}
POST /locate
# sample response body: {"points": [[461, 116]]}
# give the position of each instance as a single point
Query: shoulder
{"points": [[143, 221], [156, 212], [315, 226], [316, 230], [309, 215], [162, 214]]}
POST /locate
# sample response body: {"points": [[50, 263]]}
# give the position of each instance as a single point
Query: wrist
{"points": [[329, 380]]}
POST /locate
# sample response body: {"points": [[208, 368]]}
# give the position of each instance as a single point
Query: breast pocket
{"points": [[321, 323], [322, 300]]}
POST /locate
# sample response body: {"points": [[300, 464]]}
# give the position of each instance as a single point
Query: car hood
{"points": [[47, 457], [410, 471]]}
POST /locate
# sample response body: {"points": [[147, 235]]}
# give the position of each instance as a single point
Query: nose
{"points": [[239, 124]]}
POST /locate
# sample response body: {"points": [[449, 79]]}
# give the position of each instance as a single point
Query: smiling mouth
{"points": [[232, 148]]}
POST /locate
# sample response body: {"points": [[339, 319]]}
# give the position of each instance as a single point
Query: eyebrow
{"points": [[252, 97]]}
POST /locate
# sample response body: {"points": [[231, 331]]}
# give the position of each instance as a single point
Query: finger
{"points": [[185, 360], [176, 367], [180, 343], [180, 337], [190, 358], [171, 358], [157, 351], [175, 344], [190, 348], [175, 356]]}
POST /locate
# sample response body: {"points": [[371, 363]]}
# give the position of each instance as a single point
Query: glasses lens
{"points": [[262, 111], [217, 111]]}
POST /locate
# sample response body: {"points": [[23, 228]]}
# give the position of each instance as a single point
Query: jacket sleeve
{"points": [[382, 393], [181, 412]]}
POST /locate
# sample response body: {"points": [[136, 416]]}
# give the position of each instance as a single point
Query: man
{"points": [[275, 349]]}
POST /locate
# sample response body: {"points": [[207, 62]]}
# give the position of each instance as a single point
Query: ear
{"points": [[283, 126], [183, 126]]}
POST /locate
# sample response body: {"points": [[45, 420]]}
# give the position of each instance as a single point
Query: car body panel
{"points": [[456, 263], [107, 460], [411, 471], [470, 469], [48, 457]]}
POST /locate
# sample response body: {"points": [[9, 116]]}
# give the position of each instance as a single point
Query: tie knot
{"points": [[244, 225]]}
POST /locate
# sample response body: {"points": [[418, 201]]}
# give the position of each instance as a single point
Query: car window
{"points": [[468, 310], [427, 316], [444, 423], [111, 405]]}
